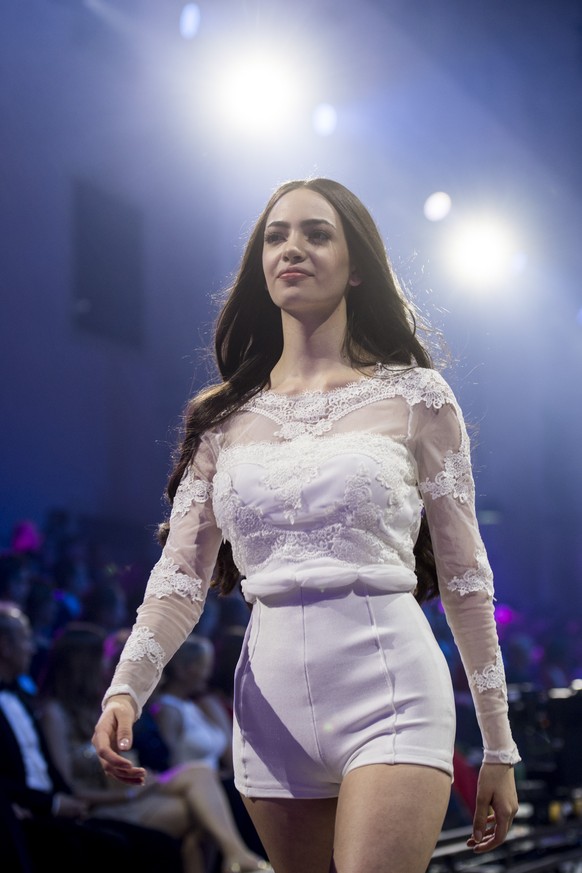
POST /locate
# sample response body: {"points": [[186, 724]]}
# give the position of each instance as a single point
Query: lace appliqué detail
{"points": [[142, 644], [478, 579], [362, 512], [289, 468], [396, 481], [241, 523], [455, 479], [369, 482], [492, 676], [314, 412], [288, 478], [166, 578], [190, 490]]}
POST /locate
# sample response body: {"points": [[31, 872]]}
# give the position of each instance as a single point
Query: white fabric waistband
{"points": [[322, 575]]}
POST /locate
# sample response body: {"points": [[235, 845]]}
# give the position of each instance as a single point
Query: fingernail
{"points": [[124, 744]]}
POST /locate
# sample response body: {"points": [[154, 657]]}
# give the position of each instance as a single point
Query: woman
{"points": [[193, 724], [327, 459], [186, 801]]}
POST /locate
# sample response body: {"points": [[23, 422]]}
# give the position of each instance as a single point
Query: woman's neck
{"points": [[313, 354]]}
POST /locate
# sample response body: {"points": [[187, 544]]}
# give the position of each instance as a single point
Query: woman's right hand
{"points": [[114, 735]]}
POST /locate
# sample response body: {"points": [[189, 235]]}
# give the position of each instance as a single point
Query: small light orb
{"points": [[437, 206], [190, 20]]}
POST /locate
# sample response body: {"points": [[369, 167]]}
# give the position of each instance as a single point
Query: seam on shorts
{"points": [[308, 686], [246, 668], [389, 679]]}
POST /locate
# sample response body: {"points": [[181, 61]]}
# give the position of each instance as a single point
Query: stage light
{"points": [[437, 206], [190, 20], [257, 94], [324, 119], [483, 252]]}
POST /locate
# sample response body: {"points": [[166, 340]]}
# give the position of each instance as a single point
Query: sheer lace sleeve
{"points": [[441, 447], [178, 584]]}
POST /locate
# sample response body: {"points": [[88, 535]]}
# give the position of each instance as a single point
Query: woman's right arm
{"points": [[172, 604]]}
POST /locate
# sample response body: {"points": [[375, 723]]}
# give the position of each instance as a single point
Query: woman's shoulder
{"points": [[417, 385]]}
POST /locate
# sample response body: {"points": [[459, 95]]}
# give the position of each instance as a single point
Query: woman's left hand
{"points": [[496, 807]]}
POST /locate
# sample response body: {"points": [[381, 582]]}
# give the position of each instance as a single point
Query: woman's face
{"points": [[305, 254], [198, 671]]}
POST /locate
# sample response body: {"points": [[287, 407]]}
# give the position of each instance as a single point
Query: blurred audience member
{"points": [[14, 579], [193, 723], [183, 801], [43, 822], [41, 609], [73, 581]]}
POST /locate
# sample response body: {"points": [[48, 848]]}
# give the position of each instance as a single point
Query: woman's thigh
{"points": [[297, 834], [389, 818]]}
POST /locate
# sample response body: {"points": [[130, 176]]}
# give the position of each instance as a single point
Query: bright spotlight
{"points": [[190, 20], [324, 119], [483, 252], [257, 94], [437, 206]]}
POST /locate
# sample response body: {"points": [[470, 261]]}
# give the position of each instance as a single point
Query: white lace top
{"points": [[323, 488]]}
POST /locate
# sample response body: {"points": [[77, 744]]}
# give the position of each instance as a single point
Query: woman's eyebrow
{"points": [[308, 222]]}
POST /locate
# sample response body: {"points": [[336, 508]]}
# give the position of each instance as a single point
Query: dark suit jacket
{"points": [[12, 770]]}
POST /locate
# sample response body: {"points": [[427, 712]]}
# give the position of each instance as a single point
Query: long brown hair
{"points": [[74, 674], [382, 326]]}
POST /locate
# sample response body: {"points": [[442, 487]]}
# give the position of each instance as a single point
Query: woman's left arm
{"points": [[440, 445]]}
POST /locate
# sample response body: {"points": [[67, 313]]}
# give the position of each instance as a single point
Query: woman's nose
{"points": [[293, 251]]}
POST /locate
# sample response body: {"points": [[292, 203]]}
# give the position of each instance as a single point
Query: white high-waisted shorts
{"points": [[330, 681]]}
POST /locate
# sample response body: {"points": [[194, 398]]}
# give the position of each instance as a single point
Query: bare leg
{"points": [[171, 813], [209, 805], [389, 818], [297, 834], [168, 813]]}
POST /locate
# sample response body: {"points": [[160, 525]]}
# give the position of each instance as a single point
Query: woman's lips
{"points": [[293, 274]]}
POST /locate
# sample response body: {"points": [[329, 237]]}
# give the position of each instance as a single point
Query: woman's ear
{"points": [[354, 278]]}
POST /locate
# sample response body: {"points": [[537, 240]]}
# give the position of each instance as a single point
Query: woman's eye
{"points": [[318, 236], [273, 237]]}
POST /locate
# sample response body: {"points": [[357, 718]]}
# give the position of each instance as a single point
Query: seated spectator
{"points": [[184, 801], [194, 725], [42, 820], [14, 579], [73, 580]]}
